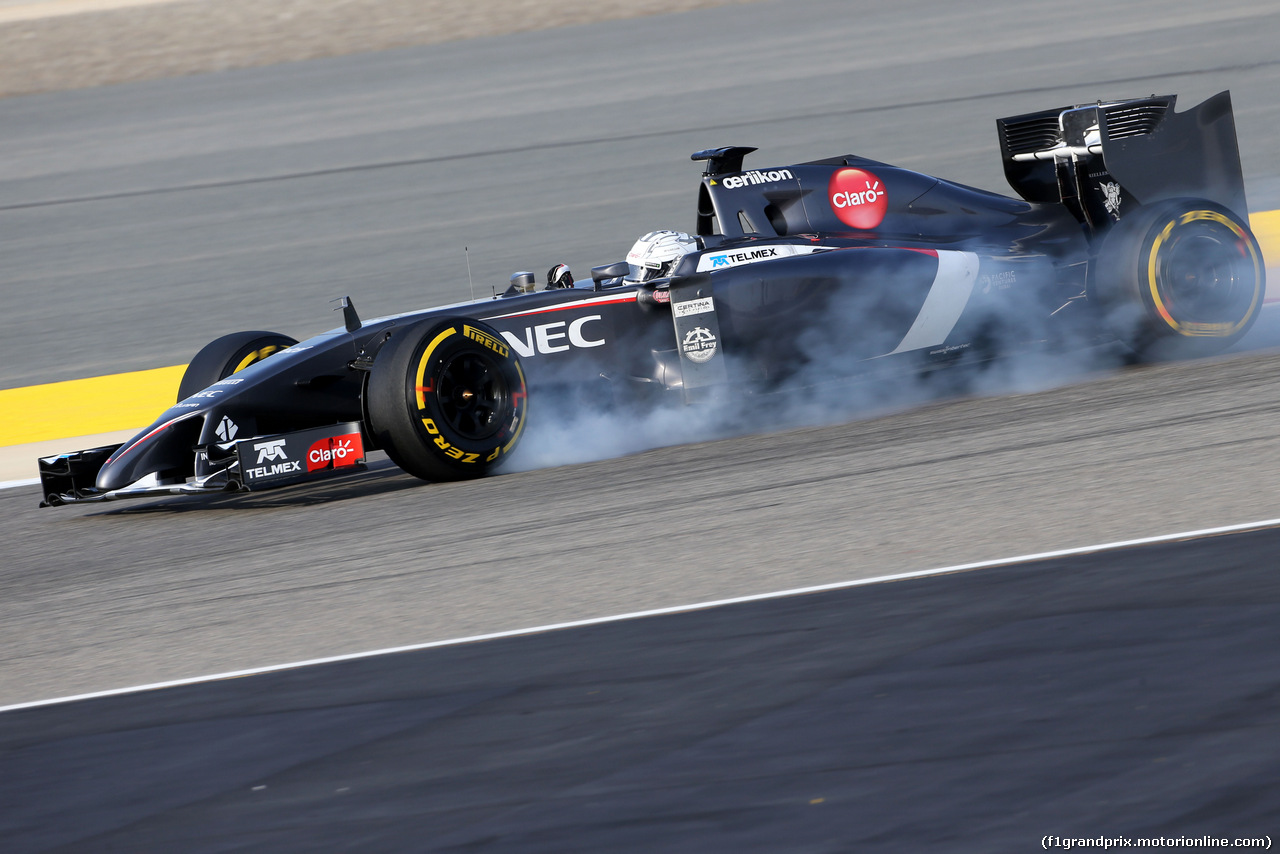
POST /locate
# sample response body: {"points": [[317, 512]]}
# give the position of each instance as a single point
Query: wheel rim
{"points": [[473, 395], [1205, 278]]}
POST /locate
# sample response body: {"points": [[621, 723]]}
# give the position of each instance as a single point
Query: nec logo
{"points": [[270, 451], [555, 337]]}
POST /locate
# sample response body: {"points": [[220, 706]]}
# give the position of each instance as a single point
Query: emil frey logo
{"points": [[858, 197], [699, 344]]}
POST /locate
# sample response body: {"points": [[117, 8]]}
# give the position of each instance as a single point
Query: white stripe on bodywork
{"points": [[949, 294]]}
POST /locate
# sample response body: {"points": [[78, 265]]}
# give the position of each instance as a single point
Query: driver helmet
{"points": [[656, 254]]}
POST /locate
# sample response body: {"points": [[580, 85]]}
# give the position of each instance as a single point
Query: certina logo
{"points": [[558, 337], [268, 451], [699, 344], [693, 306], [858, 198], [335, 452], [733, 182]]}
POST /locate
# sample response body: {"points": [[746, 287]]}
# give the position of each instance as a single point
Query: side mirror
{"points": [[616, 270], [521, 283]]}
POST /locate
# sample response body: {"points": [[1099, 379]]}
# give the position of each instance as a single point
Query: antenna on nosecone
{"points": [[466, 251]]}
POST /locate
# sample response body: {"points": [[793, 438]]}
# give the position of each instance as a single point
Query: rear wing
{"points": [[1103, 159]]}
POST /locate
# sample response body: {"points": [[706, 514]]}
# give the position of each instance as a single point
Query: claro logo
{"points": [[858, 198], [555, 337], [335, 452]]}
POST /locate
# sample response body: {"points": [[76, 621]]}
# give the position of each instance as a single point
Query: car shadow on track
{"points": [[382, 477]]}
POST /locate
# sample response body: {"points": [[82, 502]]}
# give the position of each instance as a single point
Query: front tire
{"points": [[223, 356], [447, 399], [1181, 278]]}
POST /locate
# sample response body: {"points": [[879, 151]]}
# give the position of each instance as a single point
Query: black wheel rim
{"points": [[473, 395], [1206, 275]]}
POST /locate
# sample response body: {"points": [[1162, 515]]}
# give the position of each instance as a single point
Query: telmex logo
{"points": [[270, 451], [858, 198], [733, 182], [736, 258], [553, 337]]}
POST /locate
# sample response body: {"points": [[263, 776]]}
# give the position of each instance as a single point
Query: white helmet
{"points": [[656, 254]]}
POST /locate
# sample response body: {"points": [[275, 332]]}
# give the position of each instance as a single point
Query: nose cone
{"points": [[121, 468], [164, 448]]}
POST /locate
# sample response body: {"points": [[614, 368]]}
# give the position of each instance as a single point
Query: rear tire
{"points": [[223, 356], [1179, 279], [447, 399]]}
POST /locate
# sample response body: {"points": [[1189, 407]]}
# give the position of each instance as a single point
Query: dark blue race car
{"points": [[1131, 225]]}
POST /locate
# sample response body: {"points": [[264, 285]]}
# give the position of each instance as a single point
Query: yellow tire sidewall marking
{"points": [[422, 364], [443, 444], [1222, 330]]}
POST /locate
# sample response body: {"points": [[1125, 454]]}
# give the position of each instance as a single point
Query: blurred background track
{"points": [[48, 45]]}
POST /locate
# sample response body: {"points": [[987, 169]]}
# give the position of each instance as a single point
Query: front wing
{"points": [[259, 462]]}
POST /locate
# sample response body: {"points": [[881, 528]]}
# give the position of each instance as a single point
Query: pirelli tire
{"points": [[223, 356], [447, 399], [1181, 278]]}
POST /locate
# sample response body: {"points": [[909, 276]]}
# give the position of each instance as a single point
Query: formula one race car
{"points": [[1132, 225]]}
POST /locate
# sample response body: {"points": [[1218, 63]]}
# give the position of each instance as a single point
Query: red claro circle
{"points": [[858, 197]]}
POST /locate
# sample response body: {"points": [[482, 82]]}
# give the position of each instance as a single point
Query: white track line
{"points": [[676, 609], [13, 484]]}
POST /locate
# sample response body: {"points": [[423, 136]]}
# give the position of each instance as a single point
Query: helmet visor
{"points": [[642, 273]]}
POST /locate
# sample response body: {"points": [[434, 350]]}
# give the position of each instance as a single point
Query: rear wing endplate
{"points": [[1143, 145]]}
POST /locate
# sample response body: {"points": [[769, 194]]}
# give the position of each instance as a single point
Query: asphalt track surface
{"points": [[139, 221], [1131, 693]]}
